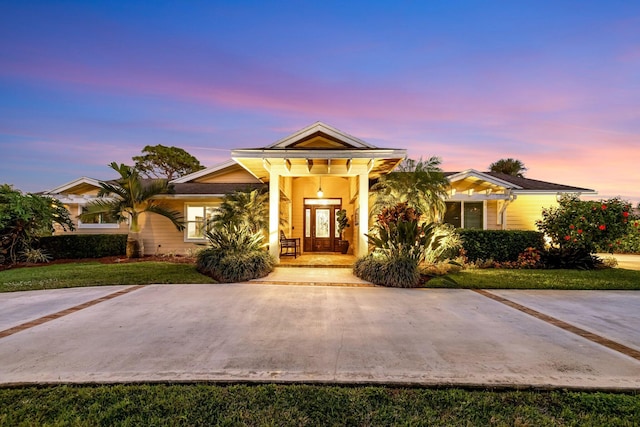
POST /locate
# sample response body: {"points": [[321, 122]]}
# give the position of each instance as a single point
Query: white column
{"points": [[274, 214], [363, 206]]}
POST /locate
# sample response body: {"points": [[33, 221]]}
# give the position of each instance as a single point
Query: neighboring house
{"points": [[310, 175]]}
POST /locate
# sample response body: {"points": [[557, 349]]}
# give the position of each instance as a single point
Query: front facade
{"points": [[310, 175]]}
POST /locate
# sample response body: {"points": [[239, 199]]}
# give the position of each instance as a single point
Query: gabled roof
{"points": [[213, 189], [517, 184], [204, 172], [529, 184], [318, 129], [472, 173], [82, 182]]}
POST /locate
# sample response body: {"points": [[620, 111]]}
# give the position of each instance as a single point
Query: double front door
{"points": [[320, 224]]}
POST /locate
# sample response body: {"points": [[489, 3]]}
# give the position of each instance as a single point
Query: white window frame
{"points": [[462, 202], [202, 239], [105, 225]]}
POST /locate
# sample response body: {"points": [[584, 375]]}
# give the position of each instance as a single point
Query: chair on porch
{"points": [[287, 244]]}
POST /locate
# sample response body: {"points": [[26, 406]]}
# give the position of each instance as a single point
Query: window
{"points": [[198, 218], [465, 214], [99, 221]]}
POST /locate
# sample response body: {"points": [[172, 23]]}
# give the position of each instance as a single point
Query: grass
{"points": [[97, 274], [300, 405], [606, 279]]}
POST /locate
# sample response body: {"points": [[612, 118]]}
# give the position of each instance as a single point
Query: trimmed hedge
{"points": [[499, 245], [74, 246]]}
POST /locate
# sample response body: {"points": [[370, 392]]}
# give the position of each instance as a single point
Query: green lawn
{"points": [[97, 274], [611, 278], [300, 405]]}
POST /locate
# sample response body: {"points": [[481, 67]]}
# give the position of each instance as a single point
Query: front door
{"points": [[320, 224]]}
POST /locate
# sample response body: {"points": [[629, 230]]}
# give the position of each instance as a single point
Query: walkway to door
{"points": [[318, 260]]}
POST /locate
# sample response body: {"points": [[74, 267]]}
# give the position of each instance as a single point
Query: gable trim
{"points": [[483, 176], [319, 127], [204, 172], [82, 180]]}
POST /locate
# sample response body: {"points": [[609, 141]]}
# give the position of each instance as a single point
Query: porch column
{"points": [[363, 206], [274, 214]]}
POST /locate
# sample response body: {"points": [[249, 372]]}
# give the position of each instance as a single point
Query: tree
{"points": [[127, 198], [24, 218], [508, 166], [159, 161], [421, 184], [249, 208]]}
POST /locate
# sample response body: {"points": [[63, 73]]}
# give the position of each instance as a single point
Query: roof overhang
{"points": [[474, 175], [79, 185], [305, 162]]}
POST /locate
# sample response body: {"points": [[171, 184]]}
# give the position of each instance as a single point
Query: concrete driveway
{"points": [[265, 333]]}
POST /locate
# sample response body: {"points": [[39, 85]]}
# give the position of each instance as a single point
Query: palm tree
{"points": [[421, 184], [508, 166], [248, 209], [128, 197]]}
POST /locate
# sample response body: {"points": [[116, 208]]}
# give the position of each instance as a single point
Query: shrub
{"points": [[35, 256], [401, 245], [578, 228], [397, 272], [236, 267], [74, 246], [627, 244], [26, 217], [236, 255], [499, 245]]}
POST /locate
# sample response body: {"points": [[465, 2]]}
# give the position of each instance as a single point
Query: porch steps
{"points": [[312, 276]]}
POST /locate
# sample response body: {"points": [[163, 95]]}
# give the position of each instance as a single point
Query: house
{"points": [[310, 175]]}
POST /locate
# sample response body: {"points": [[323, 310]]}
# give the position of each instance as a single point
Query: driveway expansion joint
{"points": [[598, 339], [66, 311]]}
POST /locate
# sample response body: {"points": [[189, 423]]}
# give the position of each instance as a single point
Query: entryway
{"points": [[320, 232]]}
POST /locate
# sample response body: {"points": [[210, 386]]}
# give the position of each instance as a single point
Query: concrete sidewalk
{"points": [[327, 334]]}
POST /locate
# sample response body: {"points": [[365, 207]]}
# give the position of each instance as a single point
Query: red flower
{"points": [[567, 238], [625, 214], [635, 224], [579, 230], [602, 227], [604, 207], [572, 226]]}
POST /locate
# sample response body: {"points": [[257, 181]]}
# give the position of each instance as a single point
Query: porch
{"points": [[319, 260]]}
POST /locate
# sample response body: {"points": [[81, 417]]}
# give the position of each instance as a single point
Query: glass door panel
{"points": [[323, 226]]}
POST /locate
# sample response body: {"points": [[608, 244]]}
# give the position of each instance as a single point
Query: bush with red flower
{"points": [[580, 228]]}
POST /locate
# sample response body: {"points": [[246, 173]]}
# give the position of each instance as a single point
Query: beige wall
{"points": [[523, 212], [492, 215], [73, 209]]}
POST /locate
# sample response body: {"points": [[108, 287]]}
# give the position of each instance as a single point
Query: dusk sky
{"points": [[555, 84]]}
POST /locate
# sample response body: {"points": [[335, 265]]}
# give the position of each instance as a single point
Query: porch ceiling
{"points": [[318, 162]]}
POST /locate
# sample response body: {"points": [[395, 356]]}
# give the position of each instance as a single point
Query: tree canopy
{"points": [[508, 166], [24, 218], [158, 161]]}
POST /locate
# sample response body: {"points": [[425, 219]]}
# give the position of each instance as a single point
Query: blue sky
{"points": [[555, 84]]}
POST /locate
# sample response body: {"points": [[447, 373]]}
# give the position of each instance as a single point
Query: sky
{"points": [[555, 84]]}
